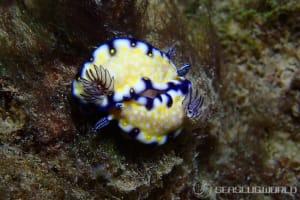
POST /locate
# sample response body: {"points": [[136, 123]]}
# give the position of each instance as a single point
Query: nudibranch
{"points": [[138, 86]]}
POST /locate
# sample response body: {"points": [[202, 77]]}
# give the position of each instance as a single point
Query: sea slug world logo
{"points": [[204, 190]]}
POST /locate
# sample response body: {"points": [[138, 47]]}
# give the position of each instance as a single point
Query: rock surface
{"points": [[245, 61]]}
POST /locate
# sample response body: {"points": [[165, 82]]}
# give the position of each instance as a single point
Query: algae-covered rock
{"points": [[245, 62], [48, 149], [260, 131]]}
